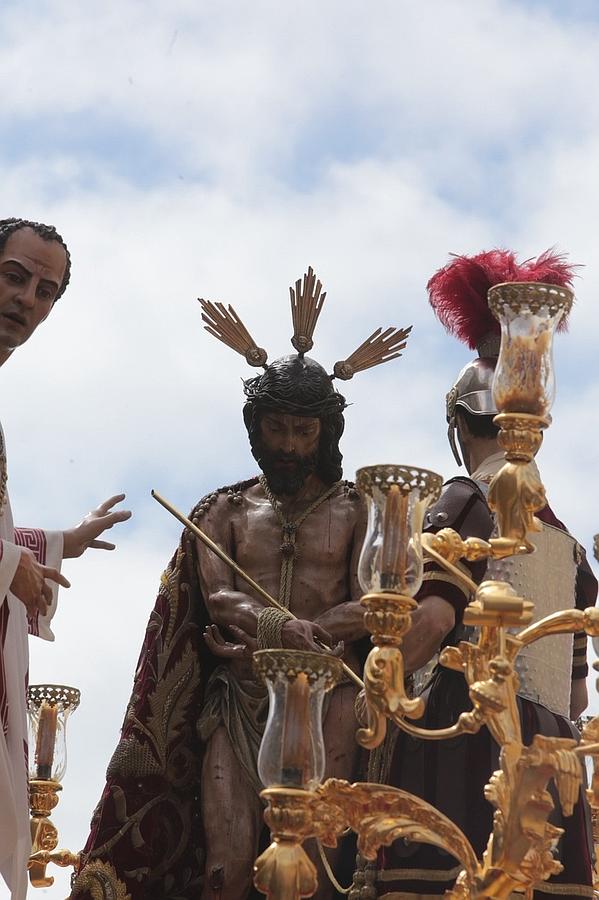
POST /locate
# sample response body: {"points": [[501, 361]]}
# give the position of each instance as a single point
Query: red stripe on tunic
{"points": [[4, 614], [35, 540]]}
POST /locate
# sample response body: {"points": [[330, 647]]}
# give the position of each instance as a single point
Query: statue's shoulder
{"points": [[231, 496], [349, 501], [462, 506]]}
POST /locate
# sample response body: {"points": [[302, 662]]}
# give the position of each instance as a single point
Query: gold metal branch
{"points": [[380, 347], [380, 815], [62, 858], [567, 621], [377, 813], [306, 304], [43, 798], [224, 324]]}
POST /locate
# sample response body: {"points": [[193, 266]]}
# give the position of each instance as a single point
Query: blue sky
{"points": [[217, 149]]}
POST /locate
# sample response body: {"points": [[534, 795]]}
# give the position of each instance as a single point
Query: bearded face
{"points": [[288, 450], [286, 473]]}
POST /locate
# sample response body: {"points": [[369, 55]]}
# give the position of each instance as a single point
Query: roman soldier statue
{"points": [[451, 774]]}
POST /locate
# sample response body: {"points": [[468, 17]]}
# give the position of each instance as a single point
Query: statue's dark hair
{"points": [[298, 386], [47, 233]]}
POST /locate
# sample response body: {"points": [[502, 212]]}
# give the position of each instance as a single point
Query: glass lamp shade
{"points": [[48, 709], [528, 313], [396, 498], [292, 752]]}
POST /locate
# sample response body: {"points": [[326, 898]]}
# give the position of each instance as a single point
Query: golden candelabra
{"points": [[49, 707], [520, 849]]}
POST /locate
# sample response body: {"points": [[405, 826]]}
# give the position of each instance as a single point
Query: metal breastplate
{"points": [[548, 578]]}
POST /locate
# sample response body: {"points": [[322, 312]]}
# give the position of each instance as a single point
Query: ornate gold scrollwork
{"points": [[284, 871], [388, 618], [517, 492], [43, 797], [520, 849], [101, 881], [378, 814]]}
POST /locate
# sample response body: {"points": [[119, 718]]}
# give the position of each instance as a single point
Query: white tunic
{"points": [[14, 658]]}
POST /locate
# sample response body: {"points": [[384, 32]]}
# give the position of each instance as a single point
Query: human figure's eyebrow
{"points": [[47, 282], [15, 262], [44, 281]]}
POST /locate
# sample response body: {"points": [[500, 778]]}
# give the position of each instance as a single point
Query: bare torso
{"points": [[325, 593], [324, 589]]}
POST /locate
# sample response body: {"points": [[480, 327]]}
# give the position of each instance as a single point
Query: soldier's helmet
{"points": [[458, 295]]}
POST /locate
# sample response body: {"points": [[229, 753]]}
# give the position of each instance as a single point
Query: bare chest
{"points": [[319, 547]]}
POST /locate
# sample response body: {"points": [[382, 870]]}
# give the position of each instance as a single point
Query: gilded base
{"points": [[284, 871], [43, 798]]}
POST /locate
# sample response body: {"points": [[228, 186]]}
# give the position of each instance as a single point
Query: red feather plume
{"points": [[458, 292]]}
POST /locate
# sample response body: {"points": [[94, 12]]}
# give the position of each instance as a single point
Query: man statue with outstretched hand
{"points": [[181, 815], [35, 268]]}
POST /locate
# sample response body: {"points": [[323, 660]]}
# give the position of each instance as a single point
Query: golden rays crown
{"points": [[307, 301]]}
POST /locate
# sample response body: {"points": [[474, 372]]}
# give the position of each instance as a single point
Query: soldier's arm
{"points": [[442, 598], [586, 595], [431, 623], [226, 605], [579, 698]]}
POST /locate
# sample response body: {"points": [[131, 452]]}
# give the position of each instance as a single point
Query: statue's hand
{"points": [[77, 540], [30, 583], [241, 648], [300, 634]]}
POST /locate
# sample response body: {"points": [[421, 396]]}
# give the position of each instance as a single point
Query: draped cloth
{"points": [[242, 707], [146, 836], [146, 839], [15, 840]]}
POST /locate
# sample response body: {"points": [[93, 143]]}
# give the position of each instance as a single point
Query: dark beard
{"points": [[287, 481]]}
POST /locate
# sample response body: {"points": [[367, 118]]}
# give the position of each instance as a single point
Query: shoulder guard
{"points": [[463, 507]]}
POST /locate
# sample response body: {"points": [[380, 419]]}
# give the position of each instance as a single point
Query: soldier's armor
{"points": [[548, 578]]}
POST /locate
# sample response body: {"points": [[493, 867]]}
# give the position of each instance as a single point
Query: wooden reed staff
{"points": [[242, 574]]}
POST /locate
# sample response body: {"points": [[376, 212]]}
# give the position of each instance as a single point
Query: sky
{"points": [[198, 148]]}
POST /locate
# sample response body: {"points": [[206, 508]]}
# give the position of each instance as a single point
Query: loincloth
{"points": [[241, 705]]}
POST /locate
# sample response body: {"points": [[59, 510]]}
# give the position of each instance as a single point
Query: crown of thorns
{"points": [[307, 300]]}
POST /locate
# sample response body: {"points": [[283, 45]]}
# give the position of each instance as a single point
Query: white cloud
{"points": [[368, 142], [236, 87]]}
